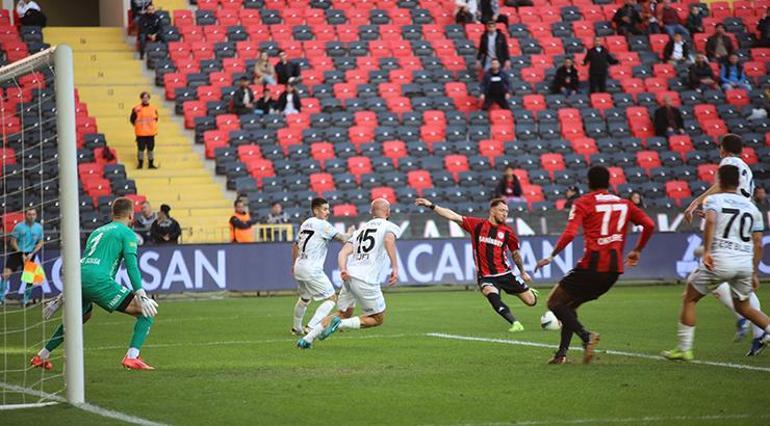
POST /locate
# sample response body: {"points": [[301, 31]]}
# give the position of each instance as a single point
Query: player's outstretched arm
{"points": [[342, 260], [516, 255], [390, 248], [690, 210], [569, 234], [441, 211], [343, 238], [149, 306], [638, 217]]}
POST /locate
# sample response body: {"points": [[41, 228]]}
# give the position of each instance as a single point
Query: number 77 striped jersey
{"points": [[604, 218]]}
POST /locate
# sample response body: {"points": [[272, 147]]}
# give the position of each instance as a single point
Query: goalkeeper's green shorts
{"points": [[105, 292]]}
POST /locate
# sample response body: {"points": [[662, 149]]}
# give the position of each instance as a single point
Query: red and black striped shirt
{"points": [[489, 243]]}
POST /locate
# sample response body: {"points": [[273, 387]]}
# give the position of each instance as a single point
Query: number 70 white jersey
{"points": [[369, 257], [737, 219]]}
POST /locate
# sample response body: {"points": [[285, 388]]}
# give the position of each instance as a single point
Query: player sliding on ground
{"points": [[732, 252], [361, 261], [730, 149], [106, 247], [490, 237], [604, 218], [308, 257]]}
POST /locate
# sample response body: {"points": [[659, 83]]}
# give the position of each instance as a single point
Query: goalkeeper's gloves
{"points": [[149, 306]]}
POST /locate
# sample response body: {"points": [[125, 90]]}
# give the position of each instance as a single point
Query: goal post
{"points": [[40, 172]]}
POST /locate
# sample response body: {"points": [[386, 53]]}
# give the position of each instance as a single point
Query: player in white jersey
{"points": [[308, 257], [730, 149], [362, 260], [732, 252]]}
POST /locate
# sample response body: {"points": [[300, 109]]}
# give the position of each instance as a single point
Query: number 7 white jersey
{"points": [[313, 241], [369, 257], [737, 219], [746, 177]]}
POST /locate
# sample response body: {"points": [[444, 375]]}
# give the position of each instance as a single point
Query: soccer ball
{"points": [[548, 321]]}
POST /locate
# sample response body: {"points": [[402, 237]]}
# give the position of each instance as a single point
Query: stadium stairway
{"points": [[109, 78]]}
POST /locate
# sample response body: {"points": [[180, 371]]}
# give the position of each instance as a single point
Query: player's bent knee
{"points": [[488, 289]]}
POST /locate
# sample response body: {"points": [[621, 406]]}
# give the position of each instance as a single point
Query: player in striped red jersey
{"points": [[604, 218], [490, 238]]}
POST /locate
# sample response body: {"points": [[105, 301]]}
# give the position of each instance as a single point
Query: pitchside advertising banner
{"points": [[267, 267]]}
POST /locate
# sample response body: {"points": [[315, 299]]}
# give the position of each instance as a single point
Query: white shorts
{"points": [[369, 297], [316, 286], [705, 281]]}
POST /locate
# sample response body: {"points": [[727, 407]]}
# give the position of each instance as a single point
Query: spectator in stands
{"points": [[149, 29], [287, 71], [143, 222], [669, 18], [465, 11], [676, 51], [277, 216], [572, 194], [165, 229], [701, 76], [495, 87], [144, 117], [493, 45], [566, 80], [627, 19], [668, 119], [695, 19], [138, 7], [241, 224], [763, 29], [719, 46], [490, 11], [266, 104], [289, 102], [25, 242], [732, 75], [649, 17], [264, 72], [30, 13], [637, 199], [598, 59], [244, 101], [509, 186], [760, 198]]}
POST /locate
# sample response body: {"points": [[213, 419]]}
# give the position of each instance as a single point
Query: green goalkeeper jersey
{"points": [[106, 247]]}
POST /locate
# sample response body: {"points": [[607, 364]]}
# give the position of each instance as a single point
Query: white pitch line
{"points": [[91, 408], [605, 351], [25, 406], [715, 417]]}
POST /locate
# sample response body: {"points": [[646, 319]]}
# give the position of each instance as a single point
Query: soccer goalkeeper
{"points": [[105, 249]]}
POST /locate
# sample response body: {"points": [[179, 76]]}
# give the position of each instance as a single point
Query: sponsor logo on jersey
{"points": [[500, 235], [609, 240], [492, 241]]}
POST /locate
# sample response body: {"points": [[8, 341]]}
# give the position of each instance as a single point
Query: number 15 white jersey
{"points": [[369, 257], [737, 219]]}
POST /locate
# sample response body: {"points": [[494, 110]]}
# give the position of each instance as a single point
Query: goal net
{"points": [[39, 211]]}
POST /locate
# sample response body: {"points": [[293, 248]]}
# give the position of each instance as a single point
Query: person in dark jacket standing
{"points": [[668, 119], [243, 98], [165, 229], [598, 59], [495, 87], [493, 45], [289, 102], [566, 79], [149, 29], [763, 28], [286, 71]]}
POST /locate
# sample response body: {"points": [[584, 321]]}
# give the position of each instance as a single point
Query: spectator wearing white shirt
{"points": [[677, 50], [289, 102], [30, 14]]}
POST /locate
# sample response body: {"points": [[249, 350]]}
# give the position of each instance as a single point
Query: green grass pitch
{"points": [[232, 361]]}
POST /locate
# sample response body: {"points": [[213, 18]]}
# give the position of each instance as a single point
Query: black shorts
{"points": [[508, 283], [147, 142], [588, 285], [15, 261]]}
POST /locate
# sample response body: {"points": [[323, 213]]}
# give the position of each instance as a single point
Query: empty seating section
{"points": [[101, 177], [390, 103]]}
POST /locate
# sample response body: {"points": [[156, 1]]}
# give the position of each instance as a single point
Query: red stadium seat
{"points": [[601, 101], [321, 182], [138, 201], [358, 166], [532, 193], [707, 172], [648, 160], [714, 128], [535, 102], [384, 192], [552, 162], [10, 220], [321, 152], [502, 132], [681, 144], [365, 118], [456, 164], [617, 176], [585, 146], [749, 156], [344, 210], [288, 137], [249, 151], [394, 150], [677, 189], [361, 134], [419, 180], [90, 170], [737, 97], [491, 148]]}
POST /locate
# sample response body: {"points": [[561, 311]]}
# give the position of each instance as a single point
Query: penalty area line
{"points": [[90, 408], [599, 351], [610, 420]]}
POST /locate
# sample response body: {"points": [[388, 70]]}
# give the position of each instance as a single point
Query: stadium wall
{"points": [[266, 267]]}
